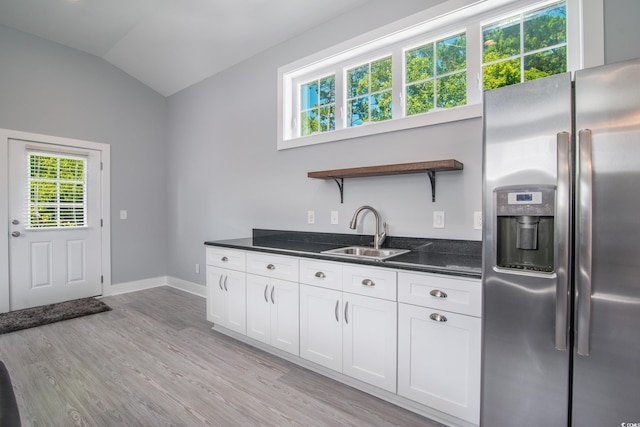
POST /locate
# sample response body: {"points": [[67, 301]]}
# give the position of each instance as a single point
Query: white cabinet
{"points": [[226, 298], [226, 292], [272, 303], [350, 333], [438, 350], [321, 326]]}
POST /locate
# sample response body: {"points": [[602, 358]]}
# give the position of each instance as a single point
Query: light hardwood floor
{"points": [[154, 361]]}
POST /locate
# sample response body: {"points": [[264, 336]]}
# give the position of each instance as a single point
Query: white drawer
{"points": [[232, 259], [321, 273], [277, 266], [455, 294], [369, 281]]}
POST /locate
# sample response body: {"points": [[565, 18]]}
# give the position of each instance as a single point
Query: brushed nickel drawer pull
{"points": [[265, 293], [224, 259], [273, 301], [271, 267], [320, 275], [438, 317], [225, 283], [368, 282], [438, 293], [220, 282], [346, 312], [336, 310]]}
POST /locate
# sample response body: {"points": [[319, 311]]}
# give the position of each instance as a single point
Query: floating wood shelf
{"points": [[430, 168]]}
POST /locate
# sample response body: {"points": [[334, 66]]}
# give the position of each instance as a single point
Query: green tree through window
{"points": [[436, 75], [318, 105], [369, 92], [525, 47]]}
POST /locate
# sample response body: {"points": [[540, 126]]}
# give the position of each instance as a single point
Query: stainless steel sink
{"points": [[366, 252]]}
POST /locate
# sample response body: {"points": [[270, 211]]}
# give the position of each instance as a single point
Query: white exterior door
{"points": [[55, 248]]}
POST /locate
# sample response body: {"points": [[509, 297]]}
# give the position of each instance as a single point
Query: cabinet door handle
{"points": [[271, 267], [220, 282], [224, 259], [346, 310], [438, 317], [320, 275], [225, 283], [335, 311], [265, 293], [438, 293], [273, 301], [368, 282]]}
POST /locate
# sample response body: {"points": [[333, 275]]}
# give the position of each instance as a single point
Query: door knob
{"points": [[15, 234]]}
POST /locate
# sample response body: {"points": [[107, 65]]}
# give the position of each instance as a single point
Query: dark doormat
{"points": [[43, 315]]}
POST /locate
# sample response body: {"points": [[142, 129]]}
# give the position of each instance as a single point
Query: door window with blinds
{"points": [[56, 190]]}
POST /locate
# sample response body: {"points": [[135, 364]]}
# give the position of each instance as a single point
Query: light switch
{"points": [[438, 219], [334, 217], [123, 214]]}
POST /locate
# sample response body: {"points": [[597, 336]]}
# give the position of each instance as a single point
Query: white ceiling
{"points": [[170, 44]]}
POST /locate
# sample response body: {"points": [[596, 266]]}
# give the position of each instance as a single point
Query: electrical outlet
{"points": [[477, 220], [438, 219], [123, 214], [311, 217], [334, 217]]}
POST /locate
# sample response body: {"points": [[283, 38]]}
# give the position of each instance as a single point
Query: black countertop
{"points": [[455, 257]]}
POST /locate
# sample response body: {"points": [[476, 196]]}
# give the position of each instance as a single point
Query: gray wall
{"points": [[50, 89]]}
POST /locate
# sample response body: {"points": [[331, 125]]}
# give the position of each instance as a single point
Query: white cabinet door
{"points": [[226, 298], [369, 344], [258, 308], [285, 331], [272, 312], [439, 360], [321, 326]]}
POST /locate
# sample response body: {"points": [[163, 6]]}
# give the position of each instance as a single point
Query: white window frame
{"points": [[585, 40]]}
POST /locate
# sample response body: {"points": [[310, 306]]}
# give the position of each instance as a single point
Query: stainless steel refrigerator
{"points": [[561, 254]]}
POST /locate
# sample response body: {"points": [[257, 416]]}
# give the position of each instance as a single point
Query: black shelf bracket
{"points": [[341, 187], [432, 178]]}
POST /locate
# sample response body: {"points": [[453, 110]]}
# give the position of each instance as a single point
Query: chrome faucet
{"points": [[378, 237]]}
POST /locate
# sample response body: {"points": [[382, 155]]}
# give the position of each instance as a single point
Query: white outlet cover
{"points": [[477, 220], [438, 219], [334, 217], [311, 217]]}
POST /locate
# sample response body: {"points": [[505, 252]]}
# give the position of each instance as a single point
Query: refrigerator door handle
{"points": [[584, 229], [563, 216]]}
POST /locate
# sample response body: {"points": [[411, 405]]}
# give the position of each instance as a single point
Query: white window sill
{"points": [[428, 119]]}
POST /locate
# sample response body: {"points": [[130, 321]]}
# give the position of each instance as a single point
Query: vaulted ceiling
{"points": [[170, 44]]}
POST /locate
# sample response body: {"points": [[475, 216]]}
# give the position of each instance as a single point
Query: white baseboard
{"points": [[184, 285], [154, 282]]}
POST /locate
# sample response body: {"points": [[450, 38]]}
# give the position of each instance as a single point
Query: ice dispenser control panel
{"points": [[525, 228]]}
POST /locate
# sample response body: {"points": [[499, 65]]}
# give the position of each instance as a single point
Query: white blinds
{"points": [[56, 193]]}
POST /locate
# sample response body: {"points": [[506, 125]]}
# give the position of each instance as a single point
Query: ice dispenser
{"points": [[525, 228]]}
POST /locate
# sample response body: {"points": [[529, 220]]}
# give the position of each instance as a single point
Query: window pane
{"points": [[43, 216], [358, 111], [381, 106], [546, 27], [327, 118], [71, 216], [545, 63], [452, 90], [381, 74], [71, 169], [358, 80], [451, 54], [43, 167], [419, 97], [71, 193], [419, 63], [309, 95], [308, 122], [43, 192], [501, 40], [501, 74], [328, 90]]}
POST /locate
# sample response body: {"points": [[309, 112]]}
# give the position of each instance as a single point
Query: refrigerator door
{"points": [[525, 379], [607, 347]]}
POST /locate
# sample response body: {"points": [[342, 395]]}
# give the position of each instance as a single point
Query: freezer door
{"points": [[607, 347], [525, 378]]}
